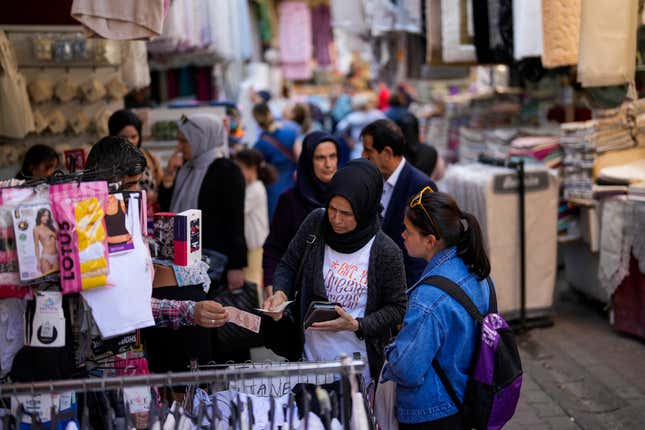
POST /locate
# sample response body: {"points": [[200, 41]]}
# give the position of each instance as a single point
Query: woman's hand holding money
{"points": [[275, 302]]}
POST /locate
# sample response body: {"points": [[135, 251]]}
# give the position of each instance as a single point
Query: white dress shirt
{"points": [[388, 186]]}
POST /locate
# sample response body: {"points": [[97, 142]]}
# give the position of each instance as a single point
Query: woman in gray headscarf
{"points": [[209, 181]]}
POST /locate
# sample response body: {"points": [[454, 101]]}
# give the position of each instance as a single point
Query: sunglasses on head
{"points": [[418, 201]]}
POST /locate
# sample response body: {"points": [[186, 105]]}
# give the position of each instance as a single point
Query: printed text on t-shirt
{"points": [[345, 284]]}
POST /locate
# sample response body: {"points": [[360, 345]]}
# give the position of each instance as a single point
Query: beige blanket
{"points": [[120, 19], [607, 42], [561, 32]]}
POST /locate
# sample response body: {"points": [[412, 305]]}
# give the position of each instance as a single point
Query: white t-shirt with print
{"points": [[346, 284]]}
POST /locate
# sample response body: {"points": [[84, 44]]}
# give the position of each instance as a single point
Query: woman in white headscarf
{"points": [[210, 181]]}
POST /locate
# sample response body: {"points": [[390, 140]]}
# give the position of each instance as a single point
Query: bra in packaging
{"points": [[35, 233], [82, 237]]}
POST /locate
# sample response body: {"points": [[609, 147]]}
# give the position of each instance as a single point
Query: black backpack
{"points": [[495, 376]]}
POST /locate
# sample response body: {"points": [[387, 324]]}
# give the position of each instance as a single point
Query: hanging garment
{"points": [[125, 306], [608, 33], [134, 65], [621, 237], [229, 29], [409, 16], [64, 405], [16, 116], [295, 40], [349, 15], [12, 332], [527, 28], [359, 419], [493, 22], [120, 19], [172, 31], [380, 16], [560, 32], [453, 49], [261, 407], [322, 37], [433, 31]]}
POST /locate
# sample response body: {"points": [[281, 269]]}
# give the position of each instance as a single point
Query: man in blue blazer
{"points": [[384, 145]]}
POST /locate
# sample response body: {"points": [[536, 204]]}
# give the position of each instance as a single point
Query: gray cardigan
{"points": [[386, 297]]}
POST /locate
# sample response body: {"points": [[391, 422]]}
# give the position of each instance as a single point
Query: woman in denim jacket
{"points": [[435, 325]]}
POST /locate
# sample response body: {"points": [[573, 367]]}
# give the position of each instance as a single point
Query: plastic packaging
{"points": [[10, 285], [82, 238]]}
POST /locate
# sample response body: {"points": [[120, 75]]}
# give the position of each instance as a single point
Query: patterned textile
{"points": [[173, 313], [196, 274], [296, 47]]}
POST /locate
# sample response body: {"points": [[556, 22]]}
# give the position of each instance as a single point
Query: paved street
{"points": [[580, 373]]}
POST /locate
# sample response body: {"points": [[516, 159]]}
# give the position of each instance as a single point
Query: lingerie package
{"points": [[82, 235], [36, 236], [10, 285]]}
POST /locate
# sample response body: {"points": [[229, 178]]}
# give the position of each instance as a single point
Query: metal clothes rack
{"points": [[345, 366], [523, 324]]}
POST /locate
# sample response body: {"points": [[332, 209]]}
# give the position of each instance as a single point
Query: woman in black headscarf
{"points": [[347, 260], [125, 123], [317, 164]]}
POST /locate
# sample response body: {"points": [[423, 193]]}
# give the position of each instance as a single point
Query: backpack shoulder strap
{"points": [[457, 293], [447, 385], [454, 291], [279, 146], [492, 296]]}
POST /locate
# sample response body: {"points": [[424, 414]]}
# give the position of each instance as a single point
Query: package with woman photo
{"points": [[35, 231], [10, 285]]}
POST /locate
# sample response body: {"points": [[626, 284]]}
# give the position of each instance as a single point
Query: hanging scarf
{"points": [[361, 183], [312, 189], [209, 141]]}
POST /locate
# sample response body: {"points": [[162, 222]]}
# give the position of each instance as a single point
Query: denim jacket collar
{"points": [[439, 259]]}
